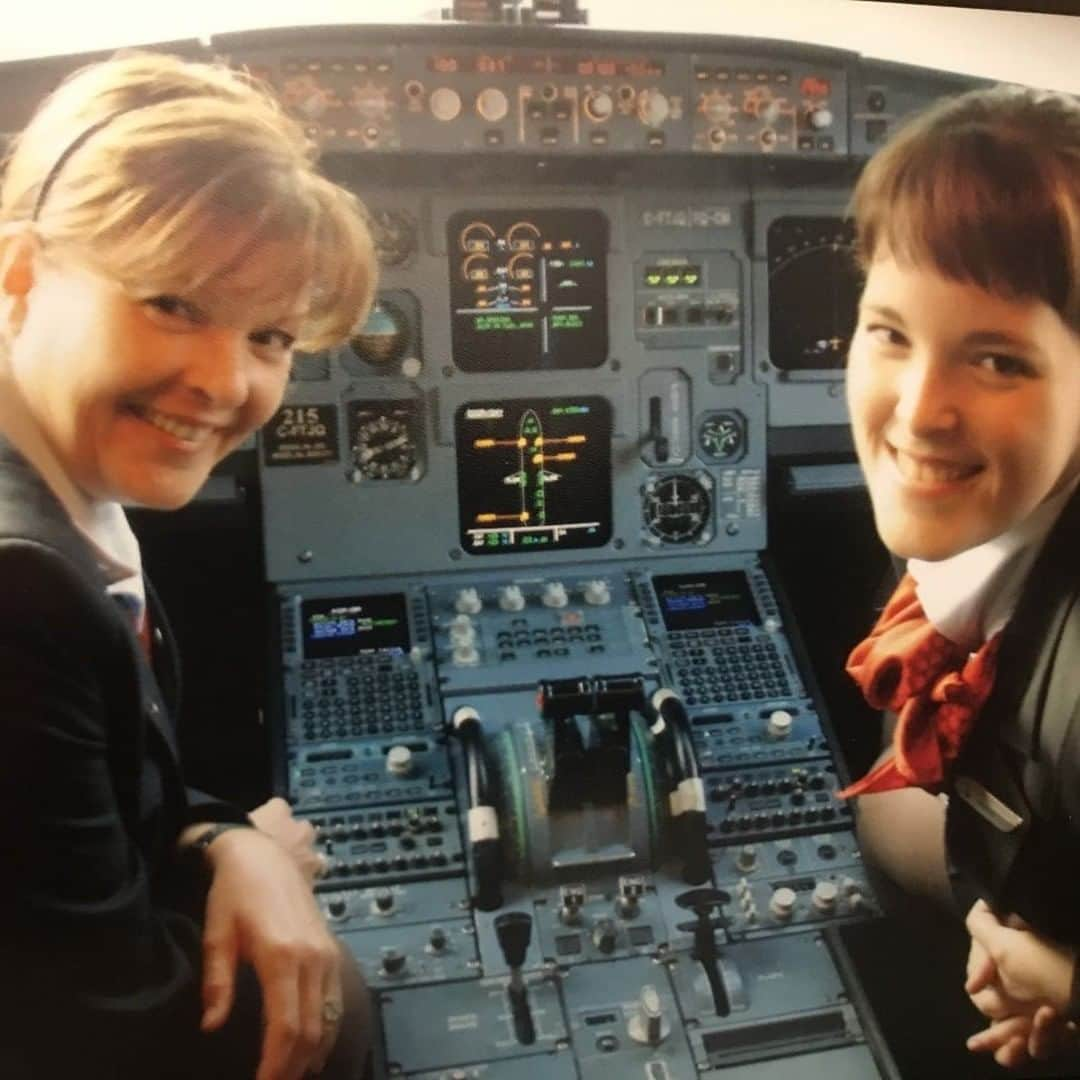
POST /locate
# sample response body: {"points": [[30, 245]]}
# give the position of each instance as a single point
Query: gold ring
{"points": [[331, 1011]]}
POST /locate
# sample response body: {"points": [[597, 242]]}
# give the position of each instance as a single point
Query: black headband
{"points": [[72, 146]]}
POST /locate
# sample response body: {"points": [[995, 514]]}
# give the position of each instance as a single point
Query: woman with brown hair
{"points": [[964, 393]]}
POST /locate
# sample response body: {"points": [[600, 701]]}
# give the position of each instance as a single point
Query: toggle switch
{"points": [[648, 1025]]}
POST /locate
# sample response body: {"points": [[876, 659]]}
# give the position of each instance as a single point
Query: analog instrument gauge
{"points": [[383, 337], [814, 286], [394, 233], [676, 509], [722, 436], [383, 442]]}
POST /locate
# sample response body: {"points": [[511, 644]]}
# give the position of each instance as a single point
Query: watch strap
{"points": [[206, 838]]}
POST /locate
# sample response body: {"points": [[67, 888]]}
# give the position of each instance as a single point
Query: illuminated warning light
{"points": [[477, 245], [672, 279], [566, 245], [814, 86], [653, 278], [481, 302], [690, 278], [479, 274], [546, 245], [526, 288]]}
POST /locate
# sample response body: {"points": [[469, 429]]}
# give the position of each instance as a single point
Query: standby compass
{"points": [[722, 436]]}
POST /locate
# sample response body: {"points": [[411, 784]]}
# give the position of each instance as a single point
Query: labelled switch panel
{"points": [[409, 842], [369, 771]]}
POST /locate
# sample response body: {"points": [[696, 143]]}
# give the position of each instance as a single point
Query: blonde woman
{"points": [[165, 244]]}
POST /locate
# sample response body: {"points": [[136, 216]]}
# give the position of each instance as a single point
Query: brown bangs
{"points": [[980, 199]]}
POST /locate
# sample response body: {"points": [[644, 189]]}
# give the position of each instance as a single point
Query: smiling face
{"points": [[139, 396], [965, 408]]}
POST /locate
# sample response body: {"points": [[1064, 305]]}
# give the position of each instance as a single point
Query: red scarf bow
{"points": [[935, 687]]}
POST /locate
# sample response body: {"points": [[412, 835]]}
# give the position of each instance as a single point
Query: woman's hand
{"points": [[261, 909], [297, 837], [1022, 982]]}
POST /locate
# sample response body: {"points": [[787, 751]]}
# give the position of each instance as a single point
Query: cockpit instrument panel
{"points": [[528, 289], [534, 473], [348, 626]]}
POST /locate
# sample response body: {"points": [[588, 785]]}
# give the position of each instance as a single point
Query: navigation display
{"points": [[702, 601], [533, 474], [528, 289], [346, 626]]}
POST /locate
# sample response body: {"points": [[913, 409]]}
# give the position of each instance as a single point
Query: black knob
{"points": [[514, 931]]}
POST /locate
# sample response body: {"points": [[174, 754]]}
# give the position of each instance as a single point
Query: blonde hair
{"points": [[170, 175], [985, 187]]}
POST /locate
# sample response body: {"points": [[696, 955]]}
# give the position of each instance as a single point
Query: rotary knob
{"points": [[653, 108], [399, 761], [465, 655], [511, 598], [778, 725], [604, 936], [437, 939], [393, 960], [468, 601], [825, 895], [746, 860], [820, 117], [554, 595], [445, 103], [596, 592], [598, 105], [382, 902], [716, 107], [782, 904], [492, 105], [462, 631]]}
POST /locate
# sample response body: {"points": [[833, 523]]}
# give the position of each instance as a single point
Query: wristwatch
{"points": [[198, 846]]}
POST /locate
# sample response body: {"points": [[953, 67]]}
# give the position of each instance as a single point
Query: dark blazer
{"points": [[99, 964], [1025, 752]]}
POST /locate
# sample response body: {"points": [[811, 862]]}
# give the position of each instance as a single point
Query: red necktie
{"points": [[935, 687]]}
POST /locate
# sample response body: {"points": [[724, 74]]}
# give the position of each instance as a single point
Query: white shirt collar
{"points": [[971, 596], [104, 524]]}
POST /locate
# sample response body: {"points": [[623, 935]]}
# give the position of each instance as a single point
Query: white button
{"points": [[399, 761], [555, 594], [468, 601], [778, 726], [596, 592], [825, 893], [511, 598], [782, 904]]}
